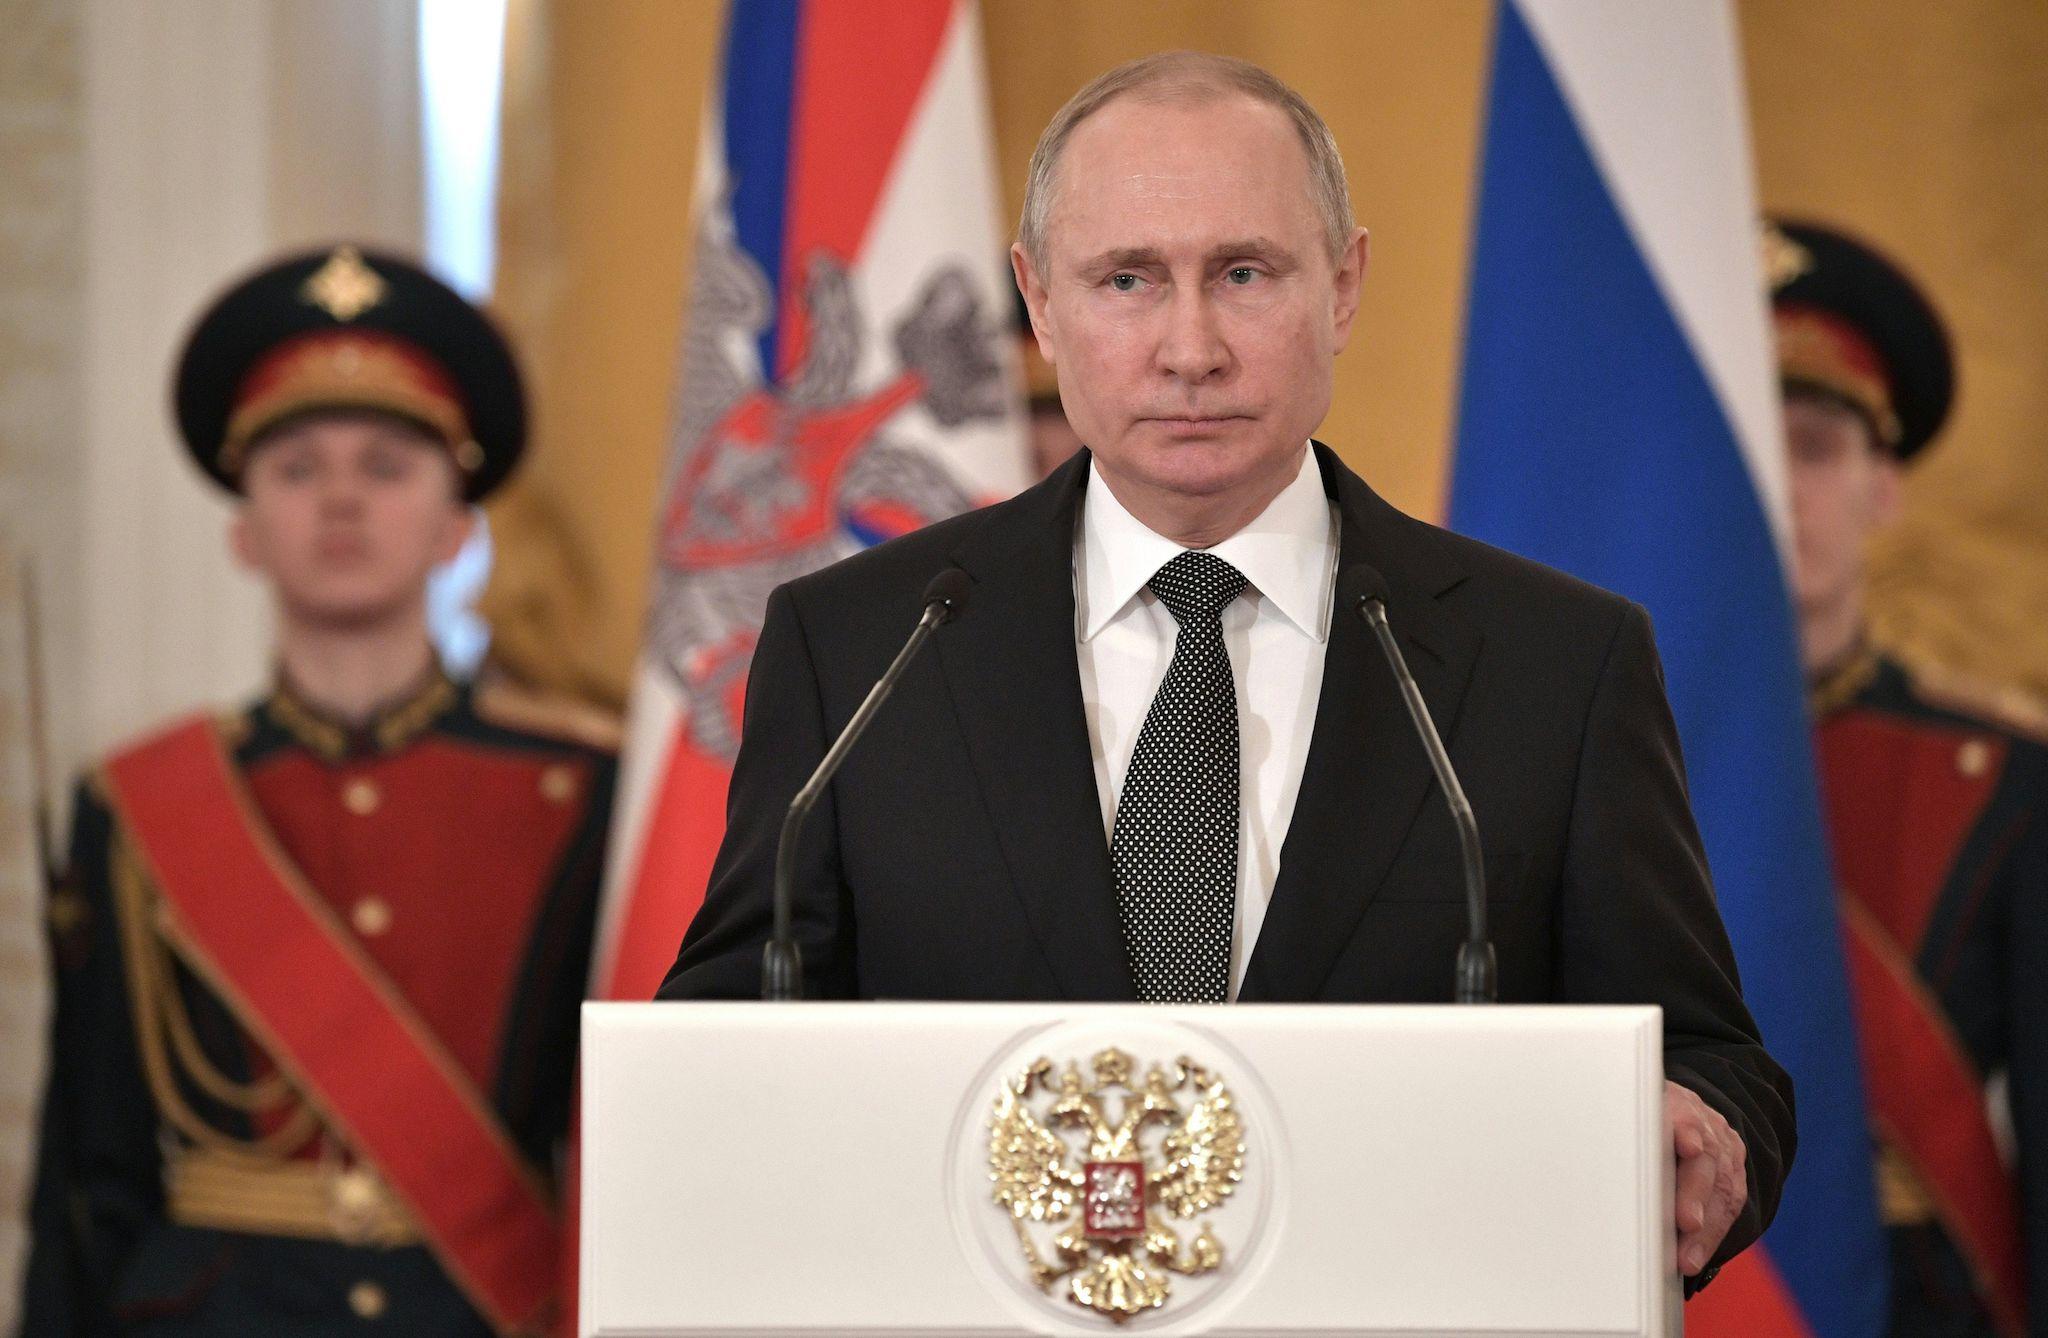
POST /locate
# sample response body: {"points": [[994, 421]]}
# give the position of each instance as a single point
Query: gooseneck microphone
{"points": [[782, 972], [1360, 586]]}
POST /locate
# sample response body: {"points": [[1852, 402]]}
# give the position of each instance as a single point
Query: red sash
{"points": [[1900, 808], [277, 955], [1928, 1099]]}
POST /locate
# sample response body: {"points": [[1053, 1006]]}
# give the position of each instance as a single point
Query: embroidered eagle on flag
{"points": [[772, 481]]}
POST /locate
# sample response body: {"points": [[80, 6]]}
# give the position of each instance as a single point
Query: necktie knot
{"points": [[1196, 585]]}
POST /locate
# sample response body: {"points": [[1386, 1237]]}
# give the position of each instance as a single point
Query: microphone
{"points": [[782, 973], [1363, 588]]}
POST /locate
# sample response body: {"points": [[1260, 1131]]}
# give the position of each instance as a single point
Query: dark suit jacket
{"points": [[960, 854]]}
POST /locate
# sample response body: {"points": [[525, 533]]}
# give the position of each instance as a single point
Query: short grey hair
{"points": [[1190, 76]]}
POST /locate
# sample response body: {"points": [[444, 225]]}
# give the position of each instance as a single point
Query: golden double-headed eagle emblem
{"points": [[1154, 1151]]}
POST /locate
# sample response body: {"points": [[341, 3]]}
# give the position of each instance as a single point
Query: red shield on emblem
{"points": [[1113, 1205]]}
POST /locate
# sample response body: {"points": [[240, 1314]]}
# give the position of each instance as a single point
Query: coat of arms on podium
{"points": [[1103, 1174]]}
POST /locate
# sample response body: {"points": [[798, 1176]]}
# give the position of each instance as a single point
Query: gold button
{"points": [[352, 1200], [1973, 759], [68, 911], [558, 784], [371, 916], [367, 1299], [361, 797]]}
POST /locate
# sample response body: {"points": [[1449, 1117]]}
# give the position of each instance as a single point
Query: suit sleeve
{"points": [[783, 739], [1638, 920], [98, 1169]]}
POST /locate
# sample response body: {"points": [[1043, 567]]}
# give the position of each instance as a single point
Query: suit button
{"points": [[1973, 758], [367, 1299], [371, 916], [558, 784], [361, 797]]}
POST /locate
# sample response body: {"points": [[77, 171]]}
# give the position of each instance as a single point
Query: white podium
{"points": [[824, 1168]]}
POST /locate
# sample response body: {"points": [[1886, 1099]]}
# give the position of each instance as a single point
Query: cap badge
{"points": [[1784, 259], [344, 287]]}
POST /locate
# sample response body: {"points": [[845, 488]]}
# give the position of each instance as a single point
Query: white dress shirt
{"points": [[1275, 633]]}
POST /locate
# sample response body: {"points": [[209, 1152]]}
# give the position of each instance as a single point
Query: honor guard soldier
{"points": [[1936, 801], [319, 962]]}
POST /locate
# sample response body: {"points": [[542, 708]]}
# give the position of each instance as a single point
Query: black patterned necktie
{"points": [[1174, 845]]}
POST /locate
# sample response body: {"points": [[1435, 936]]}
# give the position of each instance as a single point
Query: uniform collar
{"points": [[1834, 688], [1286, 554], [390, 728]]}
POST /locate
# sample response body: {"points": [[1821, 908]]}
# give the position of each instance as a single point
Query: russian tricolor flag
{"points": [[1618, 419]]}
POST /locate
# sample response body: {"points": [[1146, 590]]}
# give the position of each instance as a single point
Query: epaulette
{"points": [[234, 728], [232, 723], [2012, 709], [500, 702]]}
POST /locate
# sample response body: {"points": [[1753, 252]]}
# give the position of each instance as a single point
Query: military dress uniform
{"points": [[1938, 816], [318, 982], [1936, 802]]}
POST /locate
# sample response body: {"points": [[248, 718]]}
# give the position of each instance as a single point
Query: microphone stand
{"points": [[1477, 971], [782, 974]]}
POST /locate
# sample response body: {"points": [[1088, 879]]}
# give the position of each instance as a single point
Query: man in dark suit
{"points": [[1151, 761]]}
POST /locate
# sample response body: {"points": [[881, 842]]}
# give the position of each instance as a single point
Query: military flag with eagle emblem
{"points": [[846, 377]]}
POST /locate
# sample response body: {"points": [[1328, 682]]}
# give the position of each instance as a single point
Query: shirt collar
{"points": [[1286, 554]]}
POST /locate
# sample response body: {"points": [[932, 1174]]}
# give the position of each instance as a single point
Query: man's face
{"points": [[1844, 489], [347, 514], [1188, 299]]}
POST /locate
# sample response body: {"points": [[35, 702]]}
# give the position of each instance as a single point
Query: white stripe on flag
{"points": [[1695, 216]]}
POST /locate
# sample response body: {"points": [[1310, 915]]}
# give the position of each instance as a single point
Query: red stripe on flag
{"points": [[1747, 1299], [861, 69], [684, 827]]}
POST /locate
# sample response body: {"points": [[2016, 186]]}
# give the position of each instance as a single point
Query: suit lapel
{"points": [[1011, 667], [1366, 776]]}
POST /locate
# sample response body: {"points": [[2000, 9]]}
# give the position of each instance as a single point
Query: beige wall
{"points": [[24, 1002], [41, 289], [1924, 128]]}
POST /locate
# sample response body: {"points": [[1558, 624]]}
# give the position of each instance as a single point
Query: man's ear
{"points": [[1032, 286], [457, 534], [242, 541], [1888, 490], [1349, 283]]}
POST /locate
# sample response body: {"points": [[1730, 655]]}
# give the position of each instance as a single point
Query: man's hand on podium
{"points": [[1712, 1186]]}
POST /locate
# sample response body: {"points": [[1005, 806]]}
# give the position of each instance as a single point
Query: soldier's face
{"points": [[1189, 301], [1844, 489], [347, 515]]}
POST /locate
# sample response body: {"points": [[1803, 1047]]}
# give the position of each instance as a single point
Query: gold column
{"points": [[602, 103]]}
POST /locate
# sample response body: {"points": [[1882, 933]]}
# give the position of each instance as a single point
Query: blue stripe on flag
{"points": [[760, 74], [1590, 439]]}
